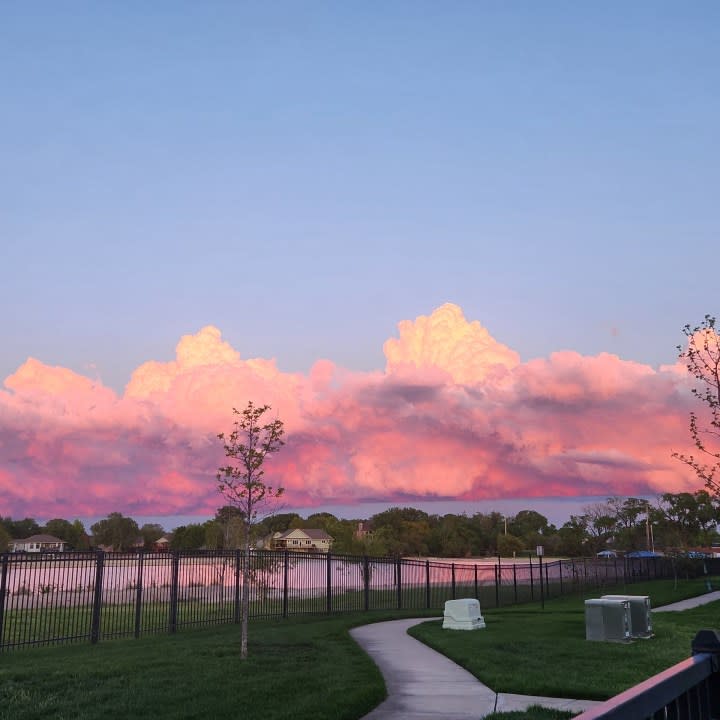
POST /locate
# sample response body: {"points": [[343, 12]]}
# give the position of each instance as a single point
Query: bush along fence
{"points": [[75, 597]]}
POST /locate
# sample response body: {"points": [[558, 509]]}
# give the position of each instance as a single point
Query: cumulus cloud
{"points": [[445, 341], [455, 414]]}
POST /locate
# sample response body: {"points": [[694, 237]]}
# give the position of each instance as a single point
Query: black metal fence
{"points": [[689, 690], [72, 597]]}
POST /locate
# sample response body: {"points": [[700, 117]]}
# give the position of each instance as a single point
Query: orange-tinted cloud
{"points": [[455, 414]]}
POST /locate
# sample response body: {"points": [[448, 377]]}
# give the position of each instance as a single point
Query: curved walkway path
{"points": [[423, 684]]}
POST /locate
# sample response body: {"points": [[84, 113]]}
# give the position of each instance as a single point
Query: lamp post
{"points": [[650, 539]]}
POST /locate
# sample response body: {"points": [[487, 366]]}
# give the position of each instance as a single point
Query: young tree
{"points": [[702, 359], [242, 483]]}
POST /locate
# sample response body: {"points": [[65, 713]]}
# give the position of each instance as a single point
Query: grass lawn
{"points": [[534, 712], [298, 668], [531, 651]]}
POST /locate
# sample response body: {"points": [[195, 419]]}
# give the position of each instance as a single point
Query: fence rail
{"points": [[689, 690], [74, 597]]}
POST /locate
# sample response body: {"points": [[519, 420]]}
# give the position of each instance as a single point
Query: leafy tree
{"points": [[688, 518], [116, 531], [407, 530], [4, 539], [151, 533], [188, 537], [72, 533], [242, 483], [600, 522], [631, 530], [509, 545], [451, 536], [230, 522], [20, 529], [374, 544], [488, 527], [278, 522], [573, 536], [531, 527], [702, 359]]}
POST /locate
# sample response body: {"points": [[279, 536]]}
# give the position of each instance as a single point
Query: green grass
{"points": [[297, 668], [529, 651], [309, 667], [534, 712]]}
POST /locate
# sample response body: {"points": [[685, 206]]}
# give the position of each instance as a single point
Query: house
{"points": [[38, 543], [162, 545], [363, 530], [300, 539]]}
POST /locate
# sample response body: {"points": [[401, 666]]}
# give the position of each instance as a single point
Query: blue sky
{"points": [[305, 175]]}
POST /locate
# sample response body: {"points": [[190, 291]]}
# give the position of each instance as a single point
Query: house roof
{"points": [[42, 538], [317, 534], [312, 533]]}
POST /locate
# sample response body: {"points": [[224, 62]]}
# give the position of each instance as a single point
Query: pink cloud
{"points": [[455, 414]]}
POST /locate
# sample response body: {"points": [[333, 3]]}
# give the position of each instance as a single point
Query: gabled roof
{"points": [[317, 534], [42, 538], [311, 533]]}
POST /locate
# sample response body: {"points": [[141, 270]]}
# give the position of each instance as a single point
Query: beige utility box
{"points": [[639, 613], [463, 615]]}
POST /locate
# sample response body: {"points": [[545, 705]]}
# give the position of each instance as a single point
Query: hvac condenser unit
{"points": [[608, 620], [639, 613]]}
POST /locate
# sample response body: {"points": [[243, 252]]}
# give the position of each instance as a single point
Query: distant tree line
{"points": [[675, 522], [116, 531]]}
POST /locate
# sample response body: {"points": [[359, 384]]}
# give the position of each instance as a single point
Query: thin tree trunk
{"points": [[245, 601]]}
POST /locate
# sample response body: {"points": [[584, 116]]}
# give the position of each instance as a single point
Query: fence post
{"points": [[542, 593], [97, 597], [366, 578], [138, 593], [708, 641], [399, 584], [560, 574], [286, 571], [477, 594], [497, 585], [3, 586], [236, 595], [427, 584], [174, 592], [532, 593], [452, 574], [329, 583], [515, 582]]}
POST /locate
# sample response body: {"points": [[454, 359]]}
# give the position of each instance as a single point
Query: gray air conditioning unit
{"points": [[639, 612], [608, 620]]}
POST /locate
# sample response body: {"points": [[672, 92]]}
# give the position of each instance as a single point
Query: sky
{"points": [[452, 244]]}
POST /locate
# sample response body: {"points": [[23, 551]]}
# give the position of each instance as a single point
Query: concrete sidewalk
{"points": [[424, 684], [689, 603]]}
